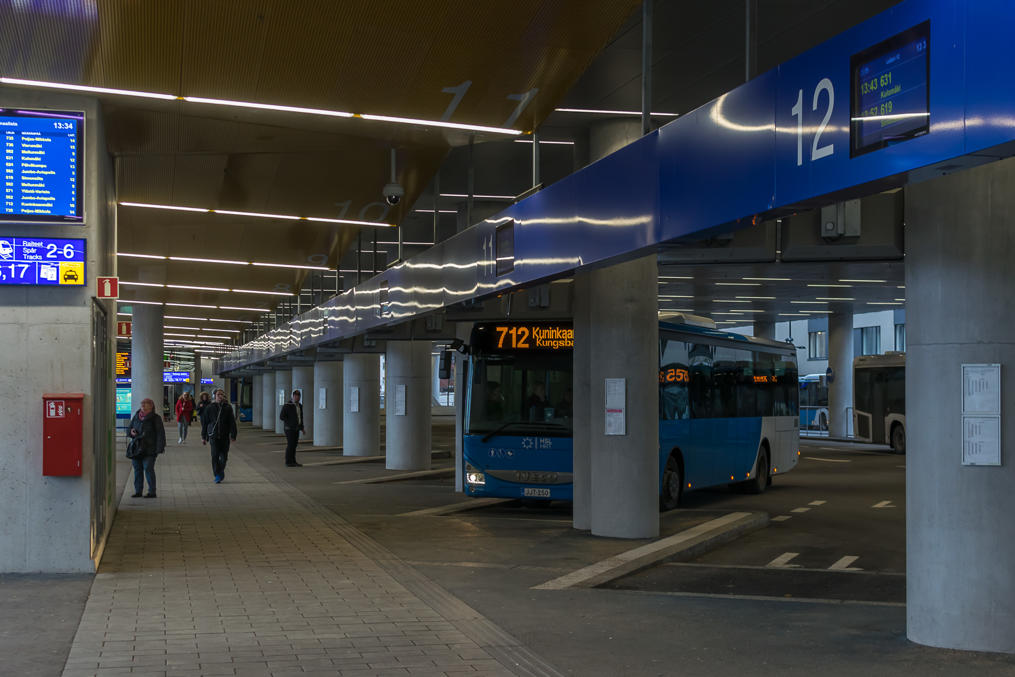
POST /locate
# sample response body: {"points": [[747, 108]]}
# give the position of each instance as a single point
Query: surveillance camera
{"points": [[393, 193]]}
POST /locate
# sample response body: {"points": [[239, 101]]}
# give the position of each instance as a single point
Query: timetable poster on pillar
{"points": [[42, 153], [42, 261]]}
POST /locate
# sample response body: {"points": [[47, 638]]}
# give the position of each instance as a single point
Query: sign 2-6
{"points": [[817, 151]]}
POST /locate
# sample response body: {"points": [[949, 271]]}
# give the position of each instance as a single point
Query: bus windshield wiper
{"points": [[508, 424]]}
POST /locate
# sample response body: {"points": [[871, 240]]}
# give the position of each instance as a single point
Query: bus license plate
{"points": [[536, 492]]}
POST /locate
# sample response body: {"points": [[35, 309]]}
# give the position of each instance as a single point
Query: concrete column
{"points": [[407, 424], [764, 329], [582, 305], [361, 429], [960, 244], [196, 377], [283, 389], [328, 412], [268, 401], [303, 380], [146, 352], [623, 344], [257, 418], [840, 360]]}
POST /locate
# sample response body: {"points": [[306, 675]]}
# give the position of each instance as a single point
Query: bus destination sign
{"points": [[524, 336]]}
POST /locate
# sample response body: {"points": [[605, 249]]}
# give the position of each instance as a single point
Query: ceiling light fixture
{"points": [[599, 111], [190, 305], [819, 303], [871, 281], [769, 279], [258, 291], [184, 317], [140, 284], [253, 310], [438, 123], [823, 286], [675, 277], [428, 211], [480, 197], [86, 88], [144, 303], [289, 265], [196, 288], [141, 256], [834, 298], [196, 260], [262, 215], [760, 298], [547, 142], [268, 106], [739, 284]]}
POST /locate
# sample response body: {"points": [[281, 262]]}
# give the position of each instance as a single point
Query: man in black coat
{"points": [[218, 427], [292, 419]]}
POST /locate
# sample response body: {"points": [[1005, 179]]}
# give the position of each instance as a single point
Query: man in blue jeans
{"points": [[218, 427]]}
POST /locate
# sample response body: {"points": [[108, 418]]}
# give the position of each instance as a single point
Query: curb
{"points": [[688, 543]]}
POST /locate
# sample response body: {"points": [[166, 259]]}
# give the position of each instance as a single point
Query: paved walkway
{"points": [[251, 578]]}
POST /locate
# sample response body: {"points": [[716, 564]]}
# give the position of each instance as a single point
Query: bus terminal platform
{"points": [[320, 570]]}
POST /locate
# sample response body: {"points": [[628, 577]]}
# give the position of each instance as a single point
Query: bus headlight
{"points": [[474, 476]]}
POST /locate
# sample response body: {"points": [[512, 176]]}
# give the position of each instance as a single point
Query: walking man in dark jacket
{"points": [[218, 427], [292, 419]]}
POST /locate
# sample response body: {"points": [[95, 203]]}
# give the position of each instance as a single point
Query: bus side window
{"points": [[700, 359]]}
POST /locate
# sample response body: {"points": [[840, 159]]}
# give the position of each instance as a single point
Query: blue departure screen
{"points": [[41, 166], [890, 92], [176, 377], [42, 260]]}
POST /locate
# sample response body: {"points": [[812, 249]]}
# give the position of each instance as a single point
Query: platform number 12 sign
{"points": [[818, 150]]}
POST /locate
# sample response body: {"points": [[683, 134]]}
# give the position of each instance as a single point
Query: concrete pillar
{"points": [[196, 377], [146, 352], [328, 410], [840, 361], [622, 344], [764, 329], [257, 418], [303, 380], [361, 419], [268, 401], [581, 440], [407, 405], [960, 244], [283, 389]]}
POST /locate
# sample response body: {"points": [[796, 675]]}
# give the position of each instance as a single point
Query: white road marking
{"points": [[782, 561], [800, 510], [817, 503], [767, 598], [781, 518], [828, 460], [843, 564], [884, 504]]}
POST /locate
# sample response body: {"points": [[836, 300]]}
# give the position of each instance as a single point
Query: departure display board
{"points": [[523, 336], [890, 92], [176, 377], [42, 261], [42, 153], [123, 364]]}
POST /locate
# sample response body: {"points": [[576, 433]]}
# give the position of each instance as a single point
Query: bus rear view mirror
{"points": [[444, 366]]}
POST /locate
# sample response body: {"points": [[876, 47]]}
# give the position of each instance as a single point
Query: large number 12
{"points": [[825, 85]]}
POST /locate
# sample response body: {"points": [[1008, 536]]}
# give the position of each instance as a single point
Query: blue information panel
{"points": [[42, 260], [176, 377], [890, 91], [41, 166], [123, 403]]}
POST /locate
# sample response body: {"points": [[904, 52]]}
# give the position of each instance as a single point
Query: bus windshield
{"points": [[521, 392]]}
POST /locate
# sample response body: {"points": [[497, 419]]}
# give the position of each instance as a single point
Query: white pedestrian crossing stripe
{"points": [[782, 561]]}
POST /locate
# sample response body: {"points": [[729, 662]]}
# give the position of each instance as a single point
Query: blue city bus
{"points": [[728, 410], [813, 402], [240, 396]]}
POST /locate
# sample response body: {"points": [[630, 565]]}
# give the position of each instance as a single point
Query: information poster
{"points": [[616, 403], [42, 261], [400, 399], [322, 398], [353, 399], [981, 414]]}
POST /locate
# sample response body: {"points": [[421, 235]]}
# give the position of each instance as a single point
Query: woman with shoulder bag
{"points": [[146, 440]]}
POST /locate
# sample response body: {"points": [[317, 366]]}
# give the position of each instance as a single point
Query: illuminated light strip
{"points": [[769, 279], [675, 277], [143, 303], [231, 212], [674, 296], [258, 291], [885, 303], [288, 265], [676, 310], [844, 286], [597, 111], [86, 88], [818, 303], [438, 123], [190, 305], [480, 197], [140, 284], [760, 298], [184, 317], [548, 143], [872, 281], [255, 310], [141, 256], [832, 298], [792, 314], [196, 260], [814, 312], [739, 284], [188, 286], [219, 289], [893, 116], [426, 244], [730, 301], [259, 106], [429, 211]]}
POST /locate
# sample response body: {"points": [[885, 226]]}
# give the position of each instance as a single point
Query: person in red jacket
{"points": [[184, 413]]}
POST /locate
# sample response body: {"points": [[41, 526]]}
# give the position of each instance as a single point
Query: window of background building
{"points": [[870, 340], [817, 345], [900, 337]]}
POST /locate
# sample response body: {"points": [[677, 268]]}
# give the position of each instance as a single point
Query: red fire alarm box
{"points": [[62, 434]]}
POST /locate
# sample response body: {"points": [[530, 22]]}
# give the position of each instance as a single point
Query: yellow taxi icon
{"points": [[72, 272]]}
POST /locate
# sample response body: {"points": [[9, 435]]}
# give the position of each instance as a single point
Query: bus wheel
{"points": [[673, 484], [899, 438], [762, 477]]}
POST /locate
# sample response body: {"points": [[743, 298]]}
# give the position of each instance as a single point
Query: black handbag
{"points": [[134, 447]]}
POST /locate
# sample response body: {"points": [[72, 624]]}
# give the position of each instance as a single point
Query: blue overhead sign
{"points": [[42, 166], [176, 377], [814, 130], [42, 261]]}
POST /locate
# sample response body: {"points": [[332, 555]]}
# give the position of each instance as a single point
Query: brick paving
{"points": [[252, 578]]}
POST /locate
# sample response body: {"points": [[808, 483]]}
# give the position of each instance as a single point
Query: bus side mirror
{"points": [[444, 366]]}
